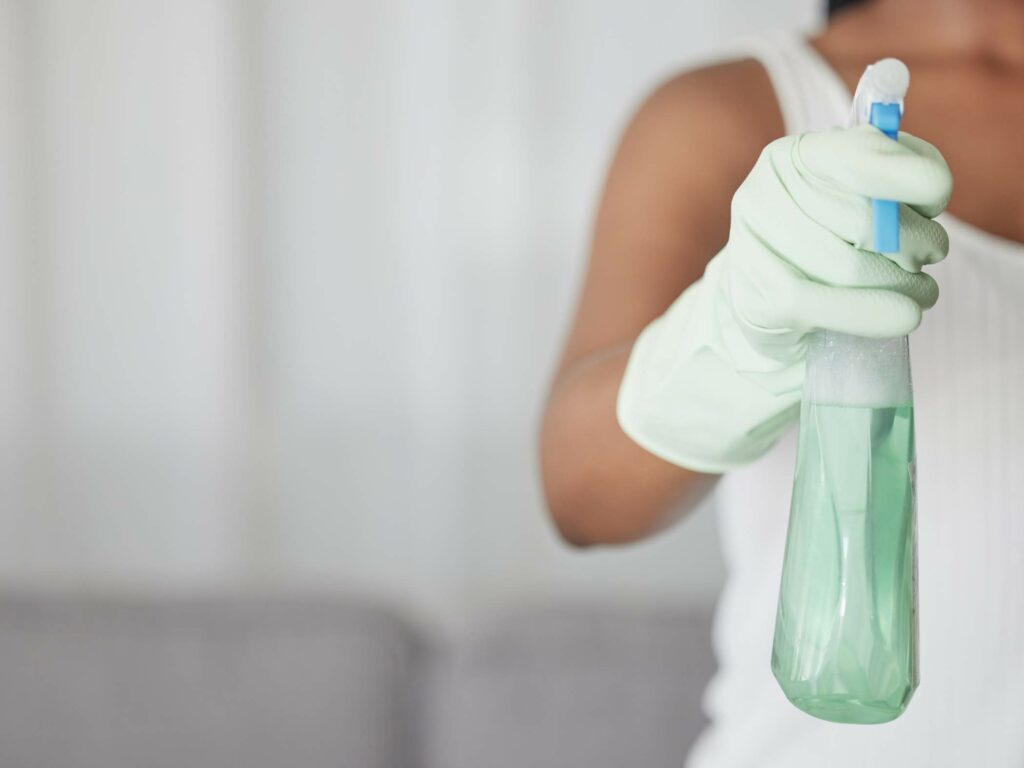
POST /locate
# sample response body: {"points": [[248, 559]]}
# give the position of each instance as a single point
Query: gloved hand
{"points": [[715, 381]]}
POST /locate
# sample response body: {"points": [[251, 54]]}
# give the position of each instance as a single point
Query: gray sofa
{"points": [[140, 683]]}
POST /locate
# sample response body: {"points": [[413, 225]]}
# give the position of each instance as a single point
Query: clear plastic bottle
{"points": [[846, 633], [845, 644]]}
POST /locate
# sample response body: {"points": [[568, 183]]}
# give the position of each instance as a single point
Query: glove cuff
{"points": [[696, 395]]}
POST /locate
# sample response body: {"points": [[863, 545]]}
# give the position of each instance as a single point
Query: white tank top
{"points": [[968, 369]]}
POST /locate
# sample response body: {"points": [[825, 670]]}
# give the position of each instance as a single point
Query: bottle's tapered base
{"points": [[839, 709], [857, 709]]}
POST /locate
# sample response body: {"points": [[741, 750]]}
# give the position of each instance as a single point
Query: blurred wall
{"points": [[281, 284]]}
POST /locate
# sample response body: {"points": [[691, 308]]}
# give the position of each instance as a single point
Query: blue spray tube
{"points": [[886, 213], [846, 630]]}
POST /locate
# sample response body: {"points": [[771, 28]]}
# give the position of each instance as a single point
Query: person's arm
{"points": [[663, 215]]}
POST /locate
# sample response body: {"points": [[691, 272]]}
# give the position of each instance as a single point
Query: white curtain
{"points": [[281, 283]]}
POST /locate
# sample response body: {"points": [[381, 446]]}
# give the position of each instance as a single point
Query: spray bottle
{"points": [[846, 630]]}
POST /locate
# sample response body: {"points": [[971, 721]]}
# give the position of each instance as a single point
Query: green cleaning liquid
{"points": [[846, 632]]}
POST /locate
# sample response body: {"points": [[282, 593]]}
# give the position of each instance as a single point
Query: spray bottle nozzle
{"points": [[879, 101]]}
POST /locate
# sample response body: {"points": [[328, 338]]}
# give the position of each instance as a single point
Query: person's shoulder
{"points": [[731, 102], [702, 130]]}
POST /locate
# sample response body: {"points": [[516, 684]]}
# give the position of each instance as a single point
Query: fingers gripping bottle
{"points": [[845, 644]]}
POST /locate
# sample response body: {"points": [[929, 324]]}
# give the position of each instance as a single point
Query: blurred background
{"points": [[282, 283]]}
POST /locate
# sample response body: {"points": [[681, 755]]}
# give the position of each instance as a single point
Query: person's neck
{"points": [[989, 32]]}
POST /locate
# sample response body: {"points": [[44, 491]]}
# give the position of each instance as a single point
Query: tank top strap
{"points": [[811, 96]]}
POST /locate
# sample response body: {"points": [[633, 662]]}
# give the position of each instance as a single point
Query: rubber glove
{"points": [[715, 381]]}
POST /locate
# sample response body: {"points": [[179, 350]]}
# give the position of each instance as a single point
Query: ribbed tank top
{"points": [[968, 370]]}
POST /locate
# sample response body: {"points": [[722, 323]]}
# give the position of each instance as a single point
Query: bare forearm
{"points": [[601, 487]]}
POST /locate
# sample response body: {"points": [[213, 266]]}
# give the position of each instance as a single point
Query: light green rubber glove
{"points": [[715, 381]]}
